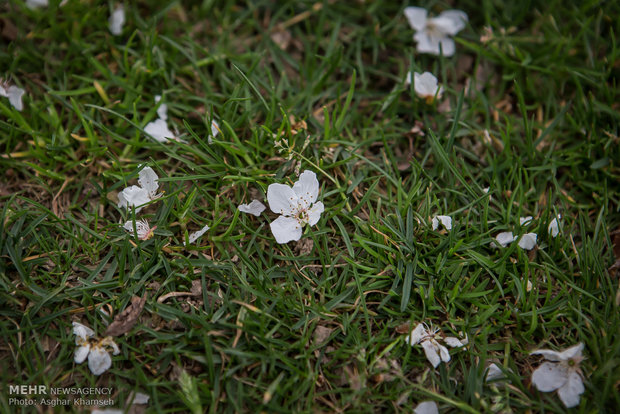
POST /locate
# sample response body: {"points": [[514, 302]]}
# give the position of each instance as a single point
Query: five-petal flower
{"points": [[428, 338], [297, 206], [561, 372], [433, 34]]}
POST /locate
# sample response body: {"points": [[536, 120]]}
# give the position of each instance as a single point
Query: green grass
{"points": [[547, 95]]}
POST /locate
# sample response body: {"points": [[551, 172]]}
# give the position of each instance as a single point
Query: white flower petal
{"points": [[550, 376], [453, 342], [82, 332], [282, 199], [307, 188], [314, 213], [159, 130], [81, 353], [254, 208], [15, 97], [197, 234], [116, 21], [148, 179], [451, 21], [142, 228], [569, 393], [426, 407], [33, 4], [554, 227], [416, 16], [133, 196], [528, 241], [549, 354], [215, 128], [572, 352], [162, 111], [140, 398], [505, 238], [426, 85], [416, 335], [286, 229], [443, 352], [524, 221], [427, 43], [99, 360], [494, 372], [446, 221], [432, 352]]}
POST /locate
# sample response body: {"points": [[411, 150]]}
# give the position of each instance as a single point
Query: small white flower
{"points": [[116, 21], [524, 221], [136, 196], [554, 226], [562, 373], [14, 94], [197, 234], [159, 130], [426, 407], [433, 35], [297, 206], [255, 208], [99, 359], [446, 221], [528, 241], [486, 190], [425, 85], [504, 238], [428, 340], [143, 229]]}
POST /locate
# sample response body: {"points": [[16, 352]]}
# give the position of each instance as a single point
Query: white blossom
{"points": [[524, 221], [14, 94], [446, 221], [297, 206], [428, 339], [97, 352], [197, 234], [504, 238], [143, 193], [425, 85], [554, 226], [433, 34], [561, 372], [143, 229], [255, 208], [116, 21], [426, 407], [528, 241]]}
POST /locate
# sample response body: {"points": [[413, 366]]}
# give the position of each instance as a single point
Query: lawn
{"points": [[257, 93]]}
